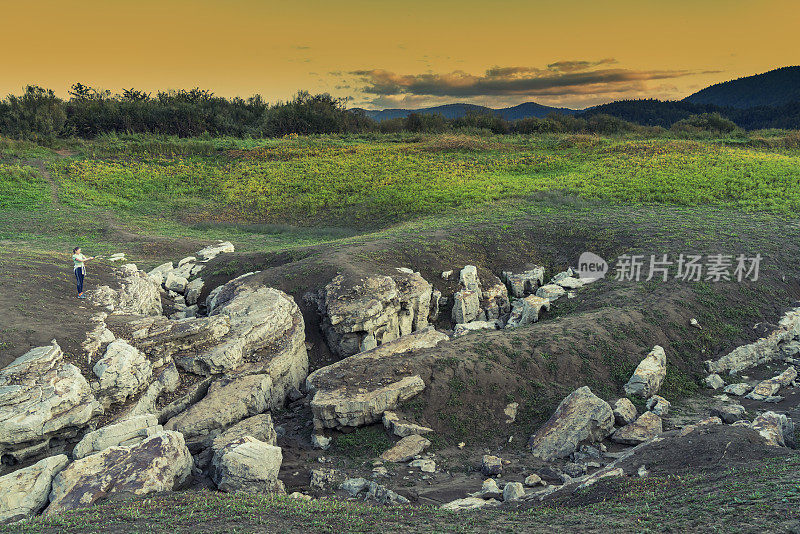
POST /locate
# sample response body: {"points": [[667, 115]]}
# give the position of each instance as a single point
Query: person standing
{"points": [[79, 268]]}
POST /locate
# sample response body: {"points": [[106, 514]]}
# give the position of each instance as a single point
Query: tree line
{"points": [[38, 114]]}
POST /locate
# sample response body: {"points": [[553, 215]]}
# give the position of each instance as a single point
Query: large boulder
{"points": [[768, 388], [25, 492], [763, 350], [138, 294], [125, 433], [495, 301], [581, 416], [248, 465], [366, 397], [42, 397], [624, 411], [160, 463], [466, 306], [647, 378], [267, 335], [376, 310], [228, 401], [122, 372]]}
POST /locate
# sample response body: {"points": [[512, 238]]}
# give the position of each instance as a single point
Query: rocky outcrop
{"points": [[248, 465], [212, 251], [42, 398], [160, 463], [765, 349], [526, 311], [338, 402], [581, 416], [138, 294], [466, 306], [378, 309], [647, 378], [525, 283], [228, 401], [645, 428], [267, 335], [342, 407], [25, 492], [122, 372], [125, 433]]}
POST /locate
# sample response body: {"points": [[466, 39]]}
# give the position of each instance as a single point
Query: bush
{"points": [[706, 122]]}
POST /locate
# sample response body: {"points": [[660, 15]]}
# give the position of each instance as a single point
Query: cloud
{"points": [[560, 80]]}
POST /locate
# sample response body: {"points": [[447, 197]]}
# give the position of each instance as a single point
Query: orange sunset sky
{"points": [[573, 53]]}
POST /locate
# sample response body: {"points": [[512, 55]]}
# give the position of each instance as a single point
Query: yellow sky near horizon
{"points": [[410, 54]]}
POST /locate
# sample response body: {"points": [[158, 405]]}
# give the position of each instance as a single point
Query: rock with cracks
{"points": [[378, 309], [26, 491], [581, 416], [160, 463], [125, 433], [248, 465], [42, 397], [338, 402], [645, 428]]}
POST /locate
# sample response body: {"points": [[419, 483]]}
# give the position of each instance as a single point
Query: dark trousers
{"points": [[80, 272]]}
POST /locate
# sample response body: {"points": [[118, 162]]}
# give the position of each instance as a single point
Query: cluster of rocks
{"points": [[181, 282], [513, 300], [165, 398]]}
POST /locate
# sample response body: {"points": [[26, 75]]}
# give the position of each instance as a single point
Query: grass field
{"points": [[672, 503]]}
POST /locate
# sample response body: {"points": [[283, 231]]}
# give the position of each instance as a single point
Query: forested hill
{"points": [[774, 88]]}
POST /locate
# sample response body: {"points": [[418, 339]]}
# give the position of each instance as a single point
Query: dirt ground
{"points": [[39, 301]]}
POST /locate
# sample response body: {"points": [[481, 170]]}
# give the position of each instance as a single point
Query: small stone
{"points": [[513, 491], [642, 472], [693, 322], [491, 465], [714, 381], [489, 490], [729, 413], [738, 389], [320, 441], [446, 275], [300, 496], [658, 405], [533, 480], [511, 412], [426, 466], [624, 412]]}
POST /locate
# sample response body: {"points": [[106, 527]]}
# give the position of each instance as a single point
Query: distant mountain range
{"points": [[774, 88], [768, 100], [455, 111]]}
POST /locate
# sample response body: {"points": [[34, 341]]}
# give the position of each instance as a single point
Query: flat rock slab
{"points": [[125, 433], [405, 449], [645, 428], [359, 389]]}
